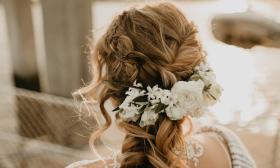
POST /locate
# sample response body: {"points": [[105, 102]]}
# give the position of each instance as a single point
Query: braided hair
{"points": [[153, 45]]}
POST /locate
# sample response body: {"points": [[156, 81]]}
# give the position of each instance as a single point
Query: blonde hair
{"points": [[153, 45]]}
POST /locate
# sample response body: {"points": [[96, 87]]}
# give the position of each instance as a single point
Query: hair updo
{"points": [[153, 45]]}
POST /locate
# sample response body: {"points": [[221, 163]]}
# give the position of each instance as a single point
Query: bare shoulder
{"points": [[216, 153]]}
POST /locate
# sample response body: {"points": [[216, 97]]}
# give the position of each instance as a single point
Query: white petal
{"points": [[149, 117]]}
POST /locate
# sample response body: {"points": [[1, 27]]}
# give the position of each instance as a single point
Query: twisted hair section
{"points": [[153, 45]]}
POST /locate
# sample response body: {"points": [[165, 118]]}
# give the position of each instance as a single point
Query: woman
{"points": [[151, 65]]}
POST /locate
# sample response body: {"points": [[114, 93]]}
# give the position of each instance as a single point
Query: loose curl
{"points": [[153, 45]]}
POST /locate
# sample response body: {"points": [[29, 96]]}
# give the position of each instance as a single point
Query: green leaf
{"points": [[213, 97], [141, 98], [116, 109], [207, 87], [159, 107], [142, 109]]}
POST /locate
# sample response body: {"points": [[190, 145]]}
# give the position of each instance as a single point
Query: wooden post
{"points": [[66, 24], [21, 43]]}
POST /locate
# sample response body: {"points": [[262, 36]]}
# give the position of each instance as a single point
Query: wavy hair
{"points": [[153, 45]]}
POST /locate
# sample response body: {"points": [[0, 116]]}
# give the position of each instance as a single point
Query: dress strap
{"points": [[240, 157]]}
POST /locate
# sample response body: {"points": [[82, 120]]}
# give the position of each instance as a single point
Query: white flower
{"points": [[185, 98], [134, 92], [213, 94], [128, 110], [189, 93], [203, 67], [189, 98], [130, 113], [175, 112], [166, 97], [149, 117], [126, 103], [205, 73], [137, 84], [208, 77], [154, 94]]}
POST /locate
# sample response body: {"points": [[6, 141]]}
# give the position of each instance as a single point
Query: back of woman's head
{"points": [[152, 45]]}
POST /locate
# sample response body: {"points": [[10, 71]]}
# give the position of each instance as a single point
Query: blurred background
{"points": [[43, 59]]}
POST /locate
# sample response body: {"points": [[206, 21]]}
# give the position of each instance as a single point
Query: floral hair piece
{"points": [[192, 97]]}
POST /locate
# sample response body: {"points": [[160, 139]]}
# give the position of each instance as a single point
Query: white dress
{"points": [[240, 157]]}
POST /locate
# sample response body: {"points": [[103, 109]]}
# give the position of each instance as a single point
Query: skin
{"points": [[216, 152]]}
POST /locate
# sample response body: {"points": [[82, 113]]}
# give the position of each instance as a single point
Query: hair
{"points": [[153, 45]]}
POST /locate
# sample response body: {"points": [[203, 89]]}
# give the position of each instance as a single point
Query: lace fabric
{"points": [[194, 150]]}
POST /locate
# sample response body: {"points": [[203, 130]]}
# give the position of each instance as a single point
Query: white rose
{"points": [[149, 117], [189, 98], [213, 94], [189, 94]]}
